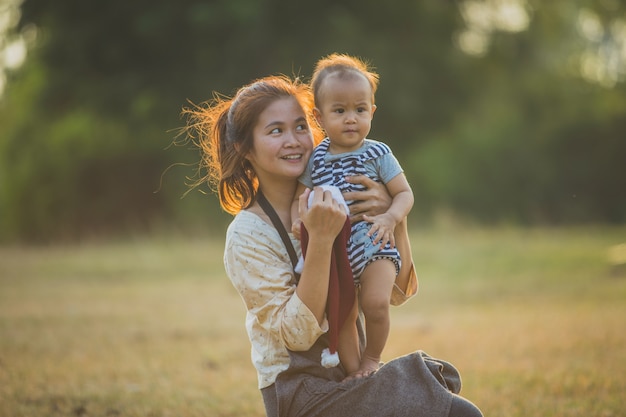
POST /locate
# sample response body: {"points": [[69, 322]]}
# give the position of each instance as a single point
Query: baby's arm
{"points": [[402, 203], [295, 215]]}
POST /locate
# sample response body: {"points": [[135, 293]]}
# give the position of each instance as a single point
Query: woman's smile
{"points": [[282, 140]]}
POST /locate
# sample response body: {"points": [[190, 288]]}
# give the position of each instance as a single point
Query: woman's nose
{"points": [[291, 138]]}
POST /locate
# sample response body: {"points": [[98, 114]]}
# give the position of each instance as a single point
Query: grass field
{"points": [[535, 319]]}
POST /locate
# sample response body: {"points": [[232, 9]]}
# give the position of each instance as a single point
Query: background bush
{"points": [[524, 130]]}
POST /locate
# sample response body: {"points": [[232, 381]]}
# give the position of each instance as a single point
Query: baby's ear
{"points": [[318, 116]]}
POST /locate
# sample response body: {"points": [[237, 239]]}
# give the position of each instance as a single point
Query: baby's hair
{"points": [[343, 65]]}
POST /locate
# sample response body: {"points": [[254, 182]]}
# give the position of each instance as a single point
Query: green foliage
{"points": [[513, 135], [503, 161], [72, 173], [537, 145]]}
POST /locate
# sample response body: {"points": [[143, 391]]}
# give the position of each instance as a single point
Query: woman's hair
{"points": [[345, 66], [222, 129]]}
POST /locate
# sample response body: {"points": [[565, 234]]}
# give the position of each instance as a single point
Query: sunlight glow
{"points": [[511, 16], [598, 56], [590, 26], [473, 42], [603, 59], [14, 54], [484, 17], [12, 47]]}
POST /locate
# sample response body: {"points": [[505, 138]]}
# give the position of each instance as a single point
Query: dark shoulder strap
{"points": [[271, 213]]}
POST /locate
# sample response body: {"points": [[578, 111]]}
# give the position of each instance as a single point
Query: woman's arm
{"points": [[257, 264], [383, 225], [323, 220]]}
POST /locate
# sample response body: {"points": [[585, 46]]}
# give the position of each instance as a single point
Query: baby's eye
{"points": [[340, 111]]}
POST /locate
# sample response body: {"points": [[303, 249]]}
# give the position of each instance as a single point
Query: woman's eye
{"points": [[275, 131], [303, 126]]}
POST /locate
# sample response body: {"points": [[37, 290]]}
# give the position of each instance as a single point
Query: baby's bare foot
{"points": [[369, 365], [367, 368]]}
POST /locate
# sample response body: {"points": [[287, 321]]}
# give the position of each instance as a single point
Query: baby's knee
{"points": [[376, 309]]}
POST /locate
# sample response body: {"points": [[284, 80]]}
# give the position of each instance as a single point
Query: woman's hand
{"points": [[324, 218], [374, 200]]}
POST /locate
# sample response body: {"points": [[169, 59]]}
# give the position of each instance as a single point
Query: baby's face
{"points": [[346, 111]]}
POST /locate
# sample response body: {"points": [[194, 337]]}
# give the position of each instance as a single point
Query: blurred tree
{"points": [[542, 139], [499, 109]]}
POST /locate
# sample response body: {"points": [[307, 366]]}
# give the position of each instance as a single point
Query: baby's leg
{"points": [[349, 349], [376, 284]]}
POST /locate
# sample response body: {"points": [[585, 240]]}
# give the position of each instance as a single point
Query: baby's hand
{"points": [[295, 228], [383, 226]]}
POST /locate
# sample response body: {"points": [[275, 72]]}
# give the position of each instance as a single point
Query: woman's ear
{"points": [[237, 147]]}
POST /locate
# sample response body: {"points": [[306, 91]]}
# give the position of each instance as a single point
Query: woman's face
{"points": [[282, 141]]}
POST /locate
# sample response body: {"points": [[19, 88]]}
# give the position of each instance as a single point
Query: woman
{"points": [[254, 147]]}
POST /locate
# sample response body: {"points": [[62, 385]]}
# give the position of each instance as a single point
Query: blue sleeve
{"points": [[305, 178], [388, 167]]}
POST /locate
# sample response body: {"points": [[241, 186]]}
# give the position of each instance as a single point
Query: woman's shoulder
{"points": [[249, 228], [243, 218], [251, 247], [245, 222]]}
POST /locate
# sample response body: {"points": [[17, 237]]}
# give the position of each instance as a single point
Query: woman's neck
{"points": [[279, 198]]}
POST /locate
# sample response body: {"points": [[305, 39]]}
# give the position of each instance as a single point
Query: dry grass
{"points": [[534, 319]]}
